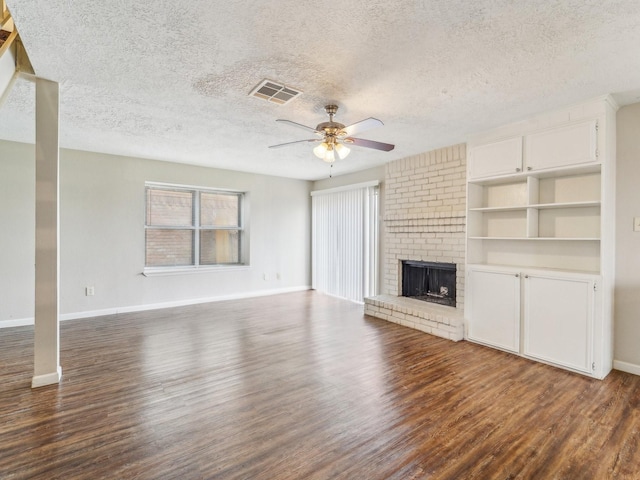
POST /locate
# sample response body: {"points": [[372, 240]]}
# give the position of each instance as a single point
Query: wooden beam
{"points": [[7, 45], [6, 21], [23, 63]]}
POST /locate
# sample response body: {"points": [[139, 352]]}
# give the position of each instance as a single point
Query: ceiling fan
{"points": [[334, 137]]}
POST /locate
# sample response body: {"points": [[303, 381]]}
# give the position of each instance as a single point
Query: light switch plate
{"points": [[636, 224]]}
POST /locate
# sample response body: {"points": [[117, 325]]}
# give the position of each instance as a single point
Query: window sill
{"points": [[160, 271]]}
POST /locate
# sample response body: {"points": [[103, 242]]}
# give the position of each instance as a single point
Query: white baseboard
{"points": [[155, 306], [626, 367], [18, 322], [47, 379]]}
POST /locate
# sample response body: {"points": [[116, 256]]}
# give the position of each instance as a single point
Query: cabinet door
{"points": [[558, 320], [560, 147], [493, 315], [498, 158]]}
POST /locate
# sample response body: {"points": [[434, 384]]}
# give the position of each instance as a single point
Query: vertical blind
{"points": [[345, 241]]}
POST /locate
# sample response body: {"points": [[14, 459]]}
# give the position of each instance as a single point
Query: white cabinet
{"points": [[562, 146], [495, 308], [496, 158], [558, 147], [558, 320], [555, 314], [540, 205]]}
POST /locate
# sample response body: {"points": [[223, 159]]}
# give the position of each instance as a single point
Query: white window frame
{"points": [[196, 267]]}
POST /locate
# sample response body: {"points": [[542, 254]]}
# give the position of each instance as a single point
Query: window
{"points": [[192, 227]]}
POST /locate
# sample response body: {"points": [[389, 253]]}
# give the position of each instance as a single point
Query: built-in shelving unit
{"points": [[539, 216], [556, 206]]}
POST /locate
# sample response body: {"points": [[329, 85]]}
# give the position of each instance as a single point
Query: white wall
{"points": [[102, 233], [17, 230], [627, 287], [375, 173]]}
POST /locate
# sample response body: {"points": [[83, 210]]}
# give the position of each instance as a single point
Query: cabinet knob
{"points": [[517, 275], [528, 168], [526, 276], [517, 169]]}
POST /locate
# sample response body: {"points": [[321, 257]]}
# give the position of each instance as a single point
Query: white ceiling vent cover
{"points": [[274, 92]]}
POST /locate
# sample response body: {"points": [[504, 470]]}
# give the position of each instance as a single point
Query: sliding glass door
{"points": [[345, 241]]}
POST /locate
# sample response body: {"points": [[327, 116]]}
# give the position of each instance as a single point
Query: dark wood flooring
{"points": [[302, 386]]}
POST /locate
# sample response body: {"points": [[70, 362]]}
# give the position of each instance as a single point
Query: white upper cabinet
{"points": [[497, 158], [561, 147]]}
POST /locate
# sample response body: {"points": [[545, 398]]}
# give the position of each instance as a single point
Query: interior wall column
{"points": [[47, 369]]}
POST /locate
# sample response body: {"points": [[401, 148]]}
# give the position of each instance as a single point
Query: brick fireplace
{"points": [[424, 221]]}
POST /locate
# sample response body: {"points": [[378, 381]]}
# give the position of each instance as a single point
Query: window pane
{"points": [[169, 207], [219, 246], [219, 209], [169, 247]]}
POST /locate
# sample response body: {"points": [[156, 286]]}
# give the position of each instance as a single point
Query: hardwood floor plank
{"points": [[302, 386]]}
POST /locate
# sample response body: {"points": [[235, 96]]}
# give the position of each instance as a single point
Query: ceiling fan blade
{"points": [[362, 125], [299, 125], [297, 141], [361, 142]]}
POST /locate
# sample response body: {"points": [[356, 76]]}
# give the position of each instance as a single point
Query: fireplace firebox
{"points": [[429, 281]]}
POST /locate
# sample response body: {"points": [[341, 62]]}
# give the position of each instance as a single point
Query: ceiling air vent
{"points": [[274, 92]]}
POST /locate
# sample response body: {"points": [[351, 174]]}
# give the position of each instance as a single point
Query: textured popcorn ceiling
{"points": [[169, 80]]}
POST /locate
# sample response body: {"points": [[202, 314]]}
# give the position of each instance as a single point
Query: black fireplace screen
{"points": [[429, 281]]}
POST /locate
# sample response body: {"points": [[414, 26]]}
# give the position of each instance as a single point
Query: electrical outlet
{"points": [[90, 291], [636, 224]]}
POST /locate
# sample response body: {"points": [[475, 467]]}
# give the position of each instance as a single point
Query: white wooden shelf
{"points": [[539, 206], [547, 206], [499, 209], [546, 239]]}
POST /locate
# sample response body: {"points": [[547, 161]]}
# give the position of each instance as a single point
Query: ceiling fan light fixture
{"points": [[321, 150], [342, 151], [330, 155]]}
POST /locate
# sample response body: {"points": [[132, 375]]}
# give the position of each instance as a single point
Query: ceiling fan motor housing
{"points": [[331, 129]]}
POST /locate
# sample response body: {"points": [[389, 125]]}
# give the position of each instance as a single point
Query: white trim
{"points": [[355, 186], [47, 379], [626, 367], [179, 303], [189, 269], [157, 306], [18, 322], [191, 187]]}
